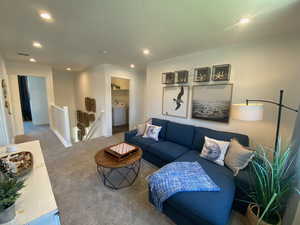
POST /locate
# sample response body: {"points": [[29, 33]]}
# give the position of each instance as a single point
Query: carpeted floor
{"points": [[81, 197]]}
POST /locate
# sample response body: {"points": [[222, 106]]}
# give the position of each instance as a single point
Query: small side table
{"points": [[118, 174]]}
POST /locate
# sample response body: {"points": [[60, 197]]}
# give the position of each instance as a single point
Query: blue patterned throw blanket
{"points": [[178, 177]]}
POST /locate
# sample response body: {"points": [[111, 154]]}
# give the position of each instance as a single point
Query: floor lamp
{"points": [[254, 112]]}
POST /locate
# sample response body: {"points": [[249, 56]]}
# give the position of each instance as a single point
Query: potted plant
{"points": [[9, 193], [272, 182]]}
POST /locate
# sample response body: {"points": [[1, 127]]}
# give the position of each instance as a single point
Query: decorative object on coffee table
{"points": [[121, 151], [117, 174], [202, 74], [221, 72]]}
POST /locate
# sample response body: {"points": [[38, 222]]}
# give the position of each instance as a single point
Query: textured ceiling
{"points": [[83, 29]]}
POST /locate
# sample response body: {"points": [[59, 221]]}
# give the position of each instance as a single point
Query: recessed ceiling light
{"points": [[37, 44], [146, 51], [244, 20], [105, 52], [132, 65], [32, 60], [46, 16], [69, 69]]}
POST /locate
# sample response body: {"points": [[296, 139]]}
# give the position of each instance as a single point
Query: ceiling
{"points": [[82, 30]]}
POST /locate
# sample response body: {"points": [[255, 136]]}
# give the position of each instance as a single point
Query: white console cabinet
{"points": [[36, 205]]}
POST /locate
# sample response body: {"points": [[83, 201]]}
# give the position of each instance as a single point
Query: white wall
{"points": [[259, 70], [96, 83], [64, 92], [38, 100], [5, 119], [136, 95], [91, 83], [29, 69]]}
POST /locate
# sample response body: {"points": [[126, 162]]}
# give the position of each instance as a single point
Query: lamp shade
{"points": [[250, 112]]}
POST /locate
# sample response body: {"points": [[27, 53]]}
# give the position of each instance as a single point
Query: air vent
{"points": [[23, 54]]}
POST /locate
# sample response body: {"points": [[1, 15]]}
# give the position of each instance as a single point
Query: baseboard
{"points": [[63, 141]]}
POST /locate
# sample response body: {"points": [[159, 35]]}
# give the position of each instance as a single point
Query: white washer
{"points": [[119, 115]]}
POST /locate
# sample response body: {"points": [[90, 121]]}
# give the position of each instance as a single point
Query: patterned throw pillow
{"points": [[152, 131], [214, 150], [238, 157]]}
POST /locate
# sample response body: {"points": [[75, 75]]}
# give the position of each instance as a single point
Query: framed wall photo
{"points": [[182, 76], [175, 101], [212, 102], [87, 102], [168, 78], [202, 74], [221, 72]]}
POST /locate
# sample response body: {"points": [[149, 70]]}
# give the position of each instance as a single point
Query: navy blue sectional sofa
{"points": [[183, 143]]}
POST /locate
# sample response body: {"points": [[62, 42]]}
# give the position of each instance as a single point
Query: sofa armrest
{"points": [[129, 134]]}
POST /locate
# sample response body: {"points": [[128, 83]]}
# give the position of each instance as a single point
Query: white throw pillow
{"points": [[152, 131], [214, 150], [140, 129]]}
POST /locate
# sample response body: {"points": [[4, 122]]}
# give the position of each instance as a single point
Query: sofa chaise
{"points": [[180, 142]]}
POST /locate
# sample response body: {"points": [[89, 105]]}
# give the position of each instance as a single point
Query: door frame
{"points": [[108, 109], [16, 103]]}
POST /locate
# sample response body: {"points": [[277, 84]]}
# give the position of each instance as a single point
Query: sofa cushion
{"points": [[180, 133], [163, 124], [167, 151], [143, 143], [201, 132], [152, 131], [194, 205]]}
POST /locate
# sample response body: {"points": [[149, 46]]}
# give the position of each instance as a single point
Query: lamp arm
{"points": [[271, 102]]}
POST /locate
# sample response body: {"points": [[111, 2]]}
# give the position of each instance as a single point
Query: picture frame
{"points": [[175, 101], [168, 78], [182, 76], [212, 102], [202, 74], [87, 102], [221, 72]]}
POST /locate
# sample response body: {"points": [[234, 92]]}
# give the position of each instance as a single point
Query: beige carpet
{"points": [[81, 197]]}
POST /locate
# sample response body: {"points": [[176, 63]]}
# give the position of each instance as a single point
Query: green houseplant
{"points": [[9, 193], [272, 182]]}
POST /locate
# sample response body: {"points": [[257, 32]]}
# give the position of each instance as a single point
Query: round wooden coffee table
{"points": [[118, 174]]}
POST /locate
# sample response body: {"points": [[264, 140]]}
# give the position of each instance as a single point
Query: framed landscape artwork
{"points": [[221, 72], [212, 102], [175, 101], [202, 74]]}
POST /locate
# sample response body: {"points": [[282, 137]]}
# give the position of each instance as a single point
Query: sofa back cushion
{"points": [[201, 132], [163, 125], [180, 133]]}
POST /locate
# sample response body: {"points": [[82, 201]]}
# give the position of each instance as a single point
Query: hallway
{"points": [[32, 130]]}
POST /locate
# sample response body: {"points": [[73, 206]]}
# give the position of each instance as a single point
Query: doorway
{"points": [[120, 104], [34, 103]]}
